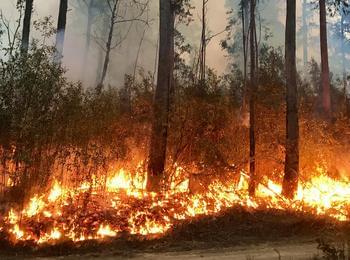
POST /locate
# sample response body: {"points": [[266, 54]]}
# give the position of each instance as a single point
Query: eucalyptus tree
{"points": [[61, 29], [26, 25], [168, 11], [291, 172]]}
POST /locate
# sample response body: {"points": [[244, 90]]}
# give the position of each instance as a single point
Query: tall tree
{"points": [[252, 96], [26, 25], [113, 20], [291, 172], [244, 5], [203, 43], [61, 29], [305, 32], [157, 153], [119, 14], [325, 79], [90, 4]]}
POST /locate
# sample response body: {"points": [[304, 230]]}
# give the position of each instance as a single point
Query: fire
{"points": [[106, 231], [55, 193], [35, 206], [123, 205]]}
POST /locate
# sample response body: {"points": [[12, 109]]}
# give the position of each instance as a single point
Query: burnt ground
{"points": [[235, 230]]}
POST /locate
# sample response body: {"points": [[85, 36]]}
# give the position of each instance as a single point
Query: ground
{"points": [[236, 234]]}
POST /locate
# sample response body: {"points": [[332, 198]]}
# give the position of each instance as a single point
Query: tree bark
{"points": [[305, 34], [88, 37], [157, 153], [325, 79], [203, 45], [26, 26], [252, 94], [291, 172], [61, 29], [342, 32], [108, 47]]}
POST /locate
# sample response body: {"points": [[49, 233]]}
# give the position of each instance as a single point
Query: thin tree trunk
{"points": [[252, 94], [157, 154], [61, 29], [26, 26], [244, 7], [245, 35], [101, 52], [138, 52], [108, 47], [343, 58], [325, 80], [88, 38], [291, 172], [305, 34], [203, 45]]}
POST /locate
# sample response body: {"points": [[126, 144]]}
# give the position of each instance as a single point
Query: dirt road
{"points": [[276, 251]]}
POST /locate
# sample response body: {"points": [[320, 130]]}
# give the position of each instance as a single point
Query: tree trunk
{"points": [[108, 47], [252, 94], [291, 173], [101, 53], [325, 80], [88, 38], [157, 153], [342, 32], [26, 26], [305, 34], [61, 29], [203, 45]]}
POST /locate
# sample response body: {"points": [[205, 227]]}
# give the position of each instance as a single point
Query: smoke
{"points": [[272, 16]]}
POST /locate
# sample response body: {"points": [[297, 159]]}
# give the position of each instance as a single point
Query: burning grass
{"points": [[119, 206]]}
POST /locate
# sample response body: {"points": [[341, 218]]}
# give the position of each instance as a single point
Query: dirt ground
{"points": [[307, 250]]}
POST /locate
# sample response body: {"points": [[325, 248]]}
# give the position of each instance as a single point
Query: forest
{"points": [[204, 128]]}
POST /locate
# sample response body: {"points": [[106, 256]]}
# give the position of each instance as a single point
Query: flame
{"points": [[35, 206], [106, 231], [124, 205]]}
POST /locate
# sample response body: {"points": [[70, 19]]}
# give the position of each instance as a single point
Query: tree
{"points": [[26, 25], [325, 78], [113, 9], [90, 4], [161, 107], [61, 29], [305, 33], [291, 173], [203, 44], [252, 95], [113, 20], [244, 5]]}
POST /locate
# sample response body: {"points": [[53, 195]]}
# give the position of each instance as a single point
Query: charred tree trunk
{"points": [[157, 153], [252, 95], [291, 172], [325, 80], [26, 26], [108, 47], [305, 34], [61, 30]]}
